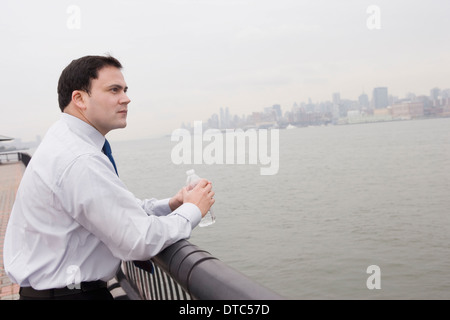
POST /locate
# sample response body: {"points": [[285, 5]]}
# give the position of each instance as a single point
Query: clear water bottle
{"points": [[191, 181]]}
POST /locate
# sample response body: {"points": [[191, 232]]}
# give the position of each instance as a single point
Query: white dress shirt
{"points": [[74, 220]]}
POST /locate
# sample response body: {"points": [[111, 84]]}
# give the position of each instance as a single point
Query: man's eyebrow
{"points": [[118, 86]]}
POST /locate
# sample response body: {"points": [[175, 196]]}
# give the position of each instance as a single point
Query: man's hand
{"points": [[202, 196], [176, 200]]}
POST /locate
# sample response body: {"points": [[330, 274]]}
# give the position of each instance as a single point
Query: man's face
{"points": [[107, 104]]}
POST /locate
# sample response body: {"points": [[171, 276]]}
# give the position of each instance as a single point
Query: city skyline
{"points": [[435, 93], [183, 60], [380, 99]]}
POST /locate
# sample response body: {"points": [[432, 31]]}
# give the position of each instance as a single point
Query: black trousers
{"points": [[97, 294]]}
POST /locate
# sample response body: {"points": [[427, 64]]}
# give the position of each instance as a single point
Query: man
{"points": [[74, 220]]}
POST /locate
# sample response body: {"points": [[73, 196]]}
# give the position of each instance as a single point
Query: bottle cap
{"points": [[189, 172]]}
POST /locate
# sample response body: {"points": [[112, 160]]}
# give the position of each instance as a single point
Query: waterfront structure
{"points": [[380, 97], [4, 138], [407, 110]]}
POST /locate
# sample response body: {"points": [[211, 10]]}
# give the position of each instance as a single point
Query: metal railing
{"points": [[180, 272], [184, 271], [16, 156]]}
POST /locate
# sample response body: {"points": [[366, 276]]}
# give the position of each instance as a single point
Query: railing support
{"points": [[6, 157]]}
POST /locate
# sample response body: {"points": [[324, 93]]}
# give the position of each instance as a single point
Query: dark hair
{"points": [[78, 75]]}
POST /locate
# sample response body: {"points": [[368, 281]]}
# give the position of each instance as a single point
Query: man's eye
{"points": [[115, 90]]}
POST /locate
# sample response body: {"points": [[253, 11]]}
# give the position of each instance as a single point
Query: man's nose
{"points": [[125, 99]]}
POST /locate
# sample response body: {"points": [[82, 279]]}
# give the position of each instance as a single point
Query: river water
{"points": [[344, 198]]}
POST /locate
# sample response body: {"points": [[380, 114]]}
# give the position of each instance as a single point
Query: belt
{"points": [[50, 293]]}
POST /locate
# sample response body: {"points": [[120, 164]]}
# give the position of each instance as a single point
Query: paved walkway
{"points": [[10, 176]]}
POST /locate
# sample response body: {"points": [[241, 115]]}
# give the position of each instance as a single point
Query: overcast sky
{"points": [[184, 60]]}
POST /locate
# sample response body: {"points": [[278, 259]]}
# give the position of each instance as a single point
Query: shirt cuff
{"points": [[190, 212]]}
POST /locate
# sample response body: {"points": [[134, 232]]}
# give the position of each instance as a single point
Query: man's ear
{"points": [[78, 98]]}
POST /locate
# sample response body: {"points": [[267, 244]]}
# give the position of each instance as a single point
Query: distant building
{"points": [[363, 100], [336, 98], [224, 118], [435, 93], [275, 111], [445, 93], [407, 110], [213, 122], [380, 97]]}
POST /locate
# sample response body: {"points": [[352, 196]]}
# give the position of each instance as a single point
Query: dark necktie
{"points": [[107, 150], [145, 265]]}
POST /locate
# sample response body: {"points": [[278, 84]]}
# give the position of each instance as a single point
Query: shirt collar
{"points": [[84, 130]]}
